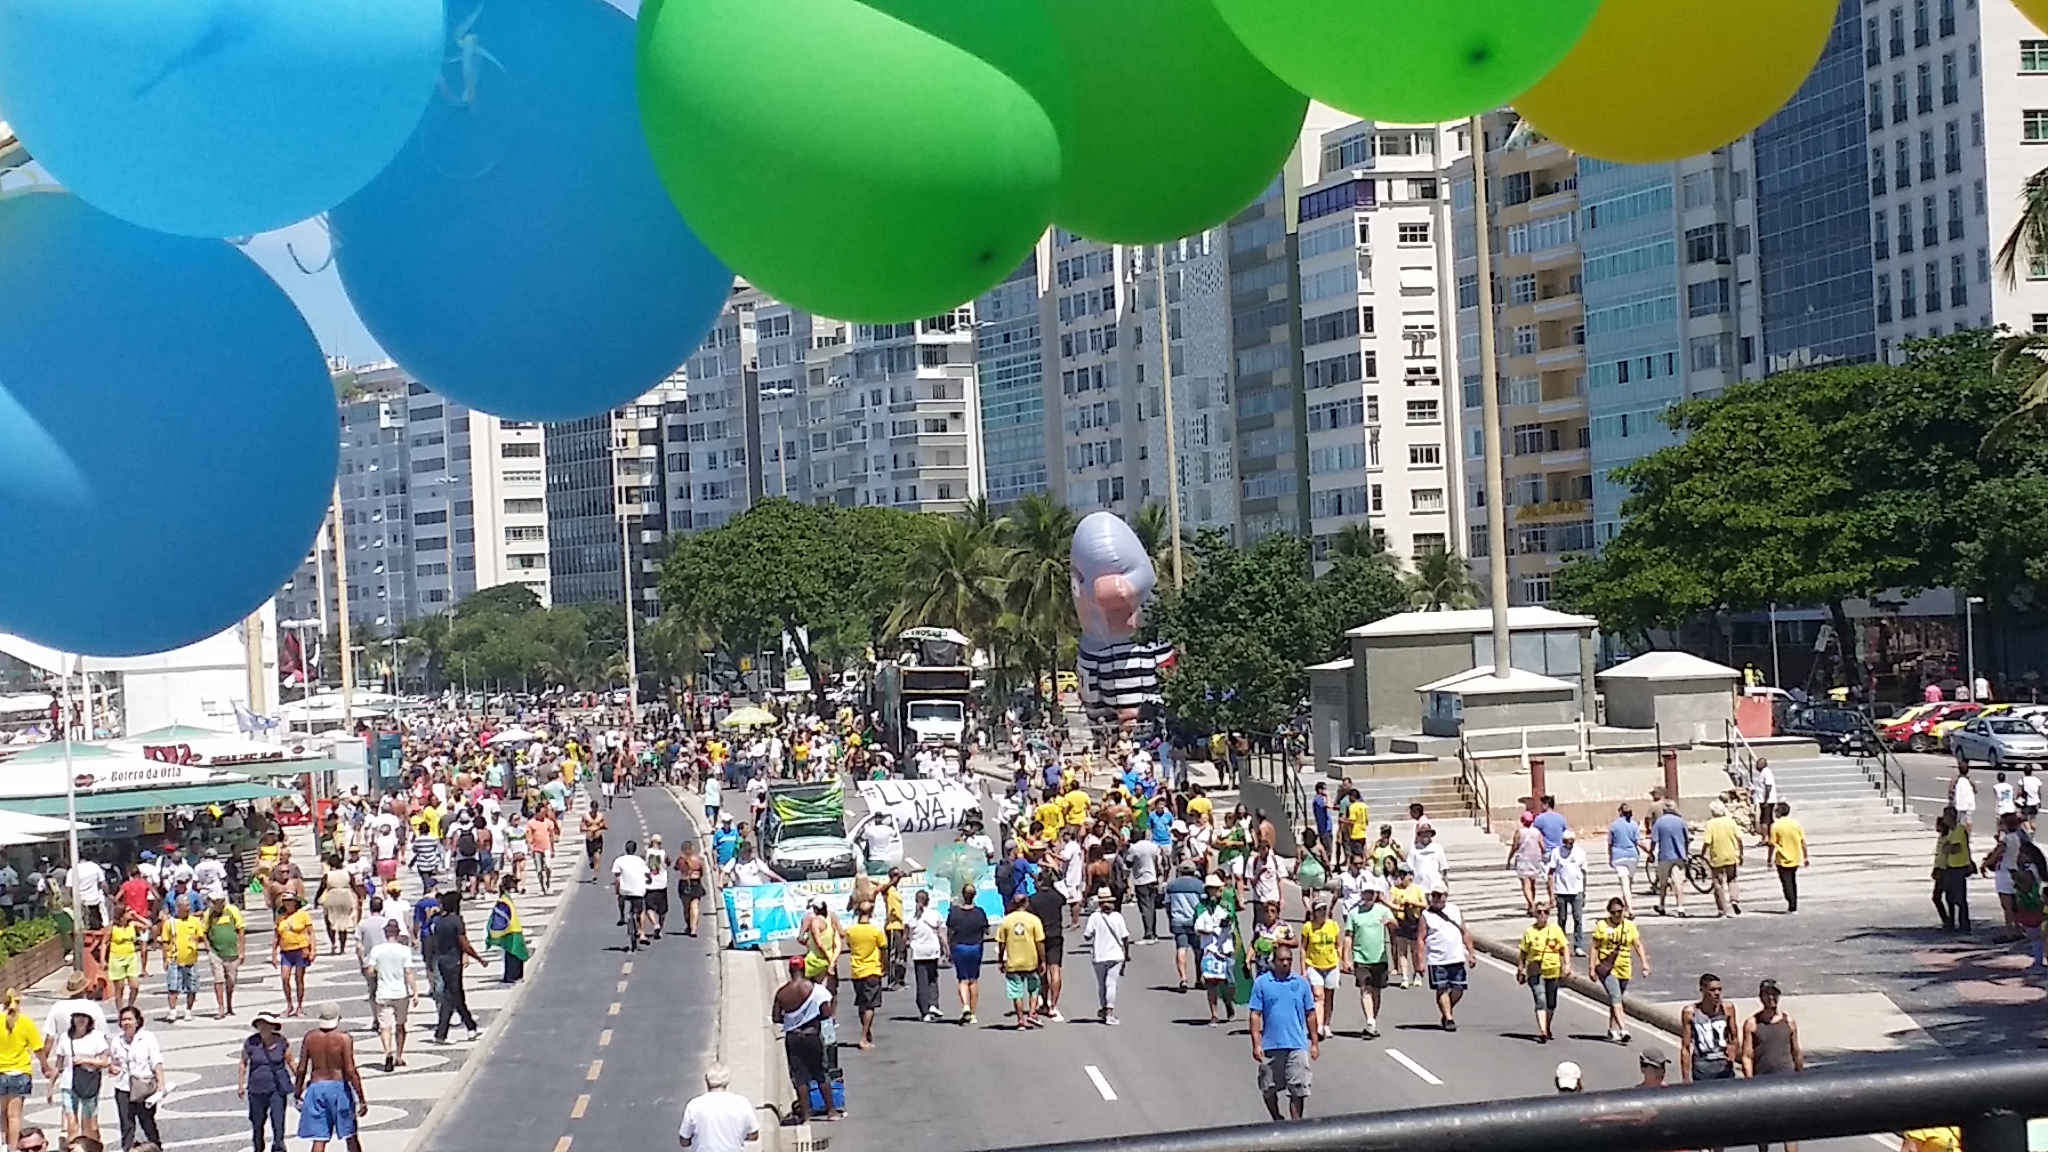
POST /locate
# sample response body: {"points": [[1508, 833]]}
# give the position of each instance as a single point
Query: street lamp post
{"points": [[1970, 641], [1489, 401]]}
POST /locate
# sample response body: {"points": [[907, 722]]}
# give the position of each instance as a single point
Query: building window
{"points": [[2034, 125], [1707, 299], [1415, 233], [1425, 455], [1429, 543], [1524, 343], [1422, 412], [2034, 55], [1378, 499], [1427, 500], [518, 451], [1536, 589]]}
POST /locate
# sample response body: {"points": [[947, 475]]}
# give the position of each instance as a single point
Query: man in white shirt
{"points": [[720, 1120], [1963, 794], [1431, 865], [89, 893], [1567, 867], [629, 882], [210, 872], [1765, 793], [389, 968], [883, 842], [2030, 800], [1447, 949]]}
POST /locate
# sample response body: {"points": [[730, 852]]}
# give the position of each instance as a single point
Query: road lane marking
{"points": [[1402, 1059], [604, 1038], [596, 1066], [1101, 1085], [582, 1104], [622, 985], [626, 969], [613, 1010], [562, 1145]]}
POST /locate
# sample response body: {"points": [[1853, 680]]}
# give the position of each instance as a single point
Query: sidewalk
{"points": [[201, 1054], [1864, 964]]}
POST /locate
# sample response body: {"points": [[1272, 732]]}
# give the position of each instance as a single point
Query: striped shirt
{"points": [[1121, 677]]}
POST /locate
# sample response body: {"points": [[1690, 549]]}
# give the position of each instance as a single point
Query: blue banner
{"points": [[766, 913]]}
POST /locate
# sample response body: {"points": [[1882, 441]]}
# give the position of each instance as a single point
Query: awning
{"points": [[133, 800], [273, 769]]}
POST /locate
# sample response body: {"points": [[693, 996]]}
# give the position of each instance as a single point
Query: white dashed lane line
{"points": [[1101, 1084], [1402, 1059]]}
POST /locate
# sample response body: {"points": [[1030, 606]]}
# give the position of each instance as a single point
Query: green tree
{"points": [[1038, 589], [955, 579], [1441, 580], [1813, 487]]}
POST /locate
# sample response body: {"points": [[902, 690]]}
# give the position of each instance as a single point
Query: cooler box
{"points": [[838, 1094]]}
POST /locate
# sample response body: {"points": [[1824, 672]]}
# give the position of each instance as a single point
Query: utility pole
{"points": [[1172, 436], [348, 657], [1489, 410], [632, 657]]}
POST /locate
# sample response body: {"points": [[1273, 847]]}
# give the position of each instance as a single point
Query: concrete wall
{"points": [[1520, 710], [1391, 668], [1329, 695], [1685, 710]]}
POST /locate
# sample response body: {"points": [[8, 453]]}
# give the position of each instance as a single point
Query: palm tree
{"points": [[1038, 588], [1364, 543], [2025, 355], [424, 639], [982, 517], [953, 580], [1441, 580]]}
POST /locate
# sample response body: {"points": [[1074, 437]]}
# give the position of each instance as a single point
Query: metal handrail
{"points": [[1472, 783], [1890, 776], [1989, 1098]]}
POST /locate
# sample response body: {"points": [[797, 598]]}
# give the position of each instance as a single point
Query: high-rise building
{"points": [[1813, 222], [1010, 354], [437, 501], [1197, 277], [1618, 291], [1377, 328], [607, 475], [1956, 95], [899, 418]]}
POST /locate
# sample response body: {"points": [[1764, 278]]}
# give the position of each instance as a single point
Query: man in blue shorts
{"points": [[330, 1097]]}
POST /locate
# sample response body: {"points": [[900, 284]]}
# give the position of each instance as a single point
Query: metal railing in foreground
{"points": [[1989, 1098]]}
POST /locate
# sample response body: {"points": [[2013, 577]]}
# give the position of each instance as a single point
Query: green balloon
{"points": [[1175, 127], [1411, 61], [845, 159]]}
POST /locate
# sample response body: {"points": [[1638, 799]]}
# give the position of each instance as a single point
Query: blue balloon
{"points": [[168, 432], [217, 117], [520, 254]]}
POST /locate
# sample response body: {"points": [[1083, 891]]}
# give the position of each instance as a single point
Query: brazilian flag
{"points": [[503, 932], [810, 804]]}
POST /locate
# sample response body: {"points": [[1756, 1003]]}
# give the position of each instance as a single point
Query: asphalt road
{"points": [[943, 1087], [606, 1046]]}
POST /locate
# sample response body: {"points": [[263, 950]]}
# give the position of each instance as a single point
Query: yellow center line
{"points": [[613, 1010], [604, 1038], [562, 1145], [596, 1066], [582, 1103]]}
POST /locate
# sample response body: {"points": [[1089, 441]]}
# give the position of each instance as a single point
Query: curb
{"points": [[1656, 1015], [438, 1115]]}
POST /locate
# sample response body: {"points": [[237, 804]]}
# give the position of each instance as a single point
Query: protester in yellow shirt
{"points": [[1546, 961], [124, 957], [1020, 939], [182, 936], [1199, 805], [1357, 823], [1617, 944], [292, 951], [20, 1045], [1052, 816], [1724, 856], [1788, 852], [1076, 803], [1320, 962], [866, 944]]}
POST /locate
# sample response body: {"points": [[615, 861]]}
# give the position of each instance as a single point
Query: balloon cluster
{"points": [[537, 205]]}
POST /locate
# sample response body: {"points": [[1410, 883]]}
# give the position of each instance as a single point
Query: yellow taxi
{"points": [[1940, 731], [1904, 717]]}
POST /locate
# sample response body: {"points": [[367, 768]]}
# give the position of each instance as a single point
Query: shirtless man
{"points": [[593, 840], [330, 1095]]}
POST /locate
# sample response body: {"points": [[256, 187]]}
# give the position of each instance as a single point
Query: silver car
{"points": [[1997, 741]]}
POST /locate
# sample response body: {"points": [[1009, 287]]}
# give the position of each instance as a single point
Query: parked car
{"points": [[1942, 731], [1904, 716], [1839, 731], [1998, 741], [1917, 734]]}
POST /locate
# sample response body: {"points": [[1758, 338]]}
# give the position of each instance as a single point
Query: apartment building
{"points": [[1010, 356], [607, 475], [1376, 334], [894, 416], [1197, 290], [1619, 290], [437, 501], [1956, 98]]}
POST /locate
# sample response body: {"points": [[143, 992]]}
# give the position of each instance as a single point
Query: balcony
{"points": [[1552, 509], [1565, 356], [1566, 458]]}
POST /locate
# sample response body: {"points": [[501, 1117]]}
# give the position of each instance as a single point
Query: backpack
{"points": [[465, 843]]}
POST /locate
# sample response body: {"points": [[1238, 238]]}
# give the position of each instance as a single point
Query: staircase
{"points": [[1388, 797], [1836, 794]]}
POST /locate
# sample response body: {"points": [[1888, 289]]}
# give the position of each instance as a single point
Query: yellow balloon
{"points": [[2034, 10], [1624, 93]]}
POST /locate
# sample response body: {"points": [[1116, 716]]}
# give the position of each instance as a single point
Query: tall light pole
{"points": [[1970, 640], [780, 393], [71, 804], [348, 659], [1489, 410], [632, 656], [1172, 435]]}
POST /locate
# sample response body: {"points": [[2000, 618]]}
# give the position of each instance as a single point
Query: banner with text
{"points": [[766, 913], [924, 805]]}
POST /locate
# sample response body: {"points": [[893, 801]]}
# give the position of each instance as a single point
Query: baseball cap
{"points": [[1180, 826], [1212, 880], [1569, 1077], [330, 1016], [1654, 1058]]}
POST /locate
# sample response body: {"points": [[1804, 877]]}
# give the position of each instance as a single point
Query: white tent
{"points": [[514, 735], [213, 747]]}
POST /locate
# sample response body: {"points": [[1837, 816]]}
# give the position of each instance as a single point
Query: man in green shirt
{"points": [[1368, 938]]}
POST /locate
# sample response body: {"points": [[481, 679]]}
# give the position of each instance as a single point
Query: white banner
{"points": [[919, 805]]}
